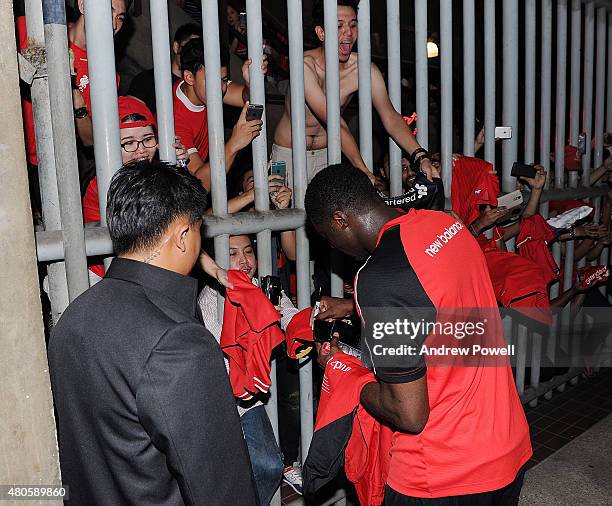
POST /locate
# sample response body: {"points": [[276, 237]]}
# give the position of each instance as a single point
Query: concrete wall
{"points": [[28, 446]]}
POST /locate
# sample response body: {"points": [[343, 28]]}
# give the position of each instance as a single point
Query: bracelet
{"points": [[572, 232], [414, 154]]}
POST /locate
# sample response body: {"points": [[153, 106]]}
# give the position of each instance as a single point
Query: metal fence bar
{"points": [[530, 75], [332, 82], [298, 144], [545, 93], [103, 82], [160, 38], [446, 83], [365, 84], [609, 80], [587, 97], [560, 116], [332, 94], [214, 105], [394, 85], [47, 177], [490, 89], [600, 86], [510, 91], [260, 176], [521, 358], [574, 129], [62, 119], [469, 78], [536, 362], [422, 84]]}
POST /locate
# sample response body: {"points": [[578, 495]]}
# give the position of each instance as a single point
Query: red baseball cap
{"points": [[132, 105]]}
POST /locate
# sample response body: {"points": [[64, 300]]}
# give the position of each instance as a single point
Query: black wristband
{"points": [[81, 113], [413, 155]]}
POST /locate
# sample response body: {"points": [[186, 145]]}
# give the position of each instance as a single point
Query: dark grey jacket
{"points": [[145, 410]]}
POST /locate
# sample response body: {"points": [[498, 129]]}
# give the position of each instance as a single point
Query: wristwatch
{"points": [[81, 113]]}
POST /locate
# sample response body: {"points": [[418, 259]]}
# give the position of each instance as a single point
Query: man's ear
{"points": [[320, 33], [179, 234], [176, 47], [340, 219], [188, 77]]}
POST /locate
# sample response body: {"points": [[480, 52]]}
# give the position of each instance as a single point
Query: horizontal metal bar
{"points": [[573, 193], [50, 248]]}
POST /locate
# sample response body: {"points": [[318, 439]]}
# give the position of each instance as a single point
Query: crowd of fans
{"points": [[522, 275]]}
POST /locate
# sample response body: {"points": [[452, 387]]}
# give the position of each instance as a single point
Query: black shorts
{"points": [[507, 496]]}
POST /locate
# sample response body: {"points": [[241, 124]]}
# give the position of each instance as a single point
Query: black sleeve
{"points": [[186, 406], [388, 289], [425, 194]]}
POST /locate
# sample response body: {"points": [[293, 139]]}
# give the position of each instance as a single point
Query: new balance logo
{"points": [[442, 239]]}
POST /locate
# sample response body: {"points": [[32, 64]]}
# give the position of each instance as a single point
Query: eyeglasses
{"points": [[147, 142]]}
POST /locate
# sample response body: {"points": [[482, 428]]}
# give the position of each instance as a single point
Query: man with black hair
{"points": [[316, 106], [144, 406], [190, 116], [459, 428], [143, 85]]}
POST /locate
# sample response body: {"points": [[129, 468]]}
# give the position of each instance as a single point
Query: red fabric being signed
{"points": [[532, 241], [473, 184], [345, 433], [250, 333], [299, 334]]}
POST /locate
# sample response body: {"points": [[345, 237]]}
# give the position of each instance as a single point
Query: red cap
{"points": [[132, 105]]}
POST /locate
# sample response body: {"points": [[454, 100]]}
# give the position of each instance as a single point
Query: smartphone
{"points": [[279, 169], [254, 111], [523, 170], [513, 202], [502, 132]]}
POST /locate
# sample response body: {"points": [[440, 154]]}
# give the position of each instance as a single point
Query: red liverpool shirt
{"points": [[476, 438], [190, 123]]}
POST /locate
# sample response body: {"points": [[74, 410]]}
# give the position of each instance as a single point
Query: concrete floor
{"points": [[580, 473]]}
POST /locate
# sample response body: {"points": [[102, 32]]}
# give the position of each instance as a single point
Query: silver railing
{"points": [[64, 244]]}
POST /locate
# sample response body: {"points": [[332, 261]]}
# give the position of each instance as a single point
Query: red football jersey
{"points": [[476, 438], [190, 123]]}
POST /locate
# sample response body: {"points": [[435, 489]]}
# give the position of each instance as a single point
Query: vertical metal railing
{"points": [[490, 84], [62, 122], [422, 80], [298, 143], [160, 36], [394, 85], [510, 91], [469, 77], [446, 85], [530, 87], [103, 83], [365, 84], [45, 154]]}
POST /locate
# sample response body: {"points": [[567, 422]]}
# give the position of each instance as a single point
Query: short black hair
{"points": [[192, 56], [144, 198], [318, 17], [187, 31], [339, 187]]}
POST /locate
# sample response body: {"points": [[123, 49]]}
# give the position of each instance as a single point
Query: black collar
{"points": [[182, 290]]}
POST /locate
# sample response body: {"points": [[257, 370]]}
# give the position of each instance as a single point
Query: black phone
{"points": [[523, 170], [254, 111], [271, 286]]}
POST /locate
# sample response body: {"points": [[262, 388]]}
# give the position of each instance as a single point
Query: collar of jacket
{"points": [[182, 290]]}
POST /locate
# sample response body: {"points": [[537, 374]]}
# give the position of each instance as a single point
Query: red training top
{"points": [[476, 438]]}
